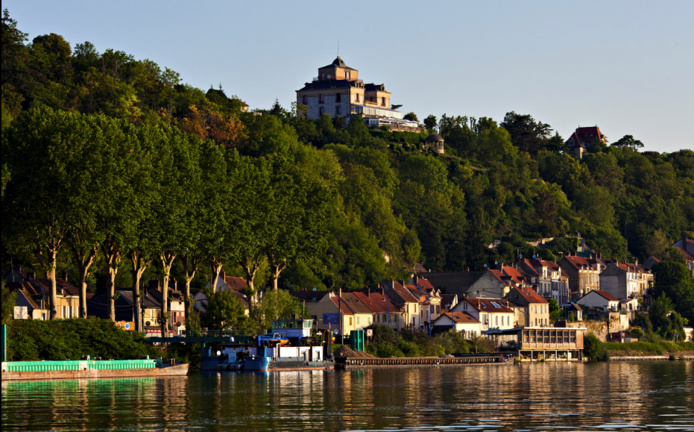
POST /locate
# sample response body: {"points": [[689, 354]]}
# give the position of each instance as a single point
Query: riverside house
{"points": [[405, 300], [583, 274], [531, 310], [493, 314]]}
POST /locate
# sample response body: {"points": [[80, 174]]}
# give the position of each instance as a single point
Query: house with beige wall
{"points": [[339, 92], [530, 309], [493, 314]]}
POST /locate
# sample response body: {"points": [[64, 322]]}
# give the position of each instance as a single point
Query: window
{"points": [[321, 110], [347, 76], [357, 320], [304, 99], [338, 111], [350, 320], [357, 97], [383, 101], [338, 97], [320, 98]]}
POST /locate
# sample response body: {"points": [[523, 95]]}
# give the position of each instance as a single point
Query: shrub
{"points": [[410, 349], [72, 339], [594, 349], [387, 349]]}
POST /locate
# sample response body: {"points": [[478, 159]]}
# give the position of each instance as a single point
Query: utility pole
{"points": [[342, 318]]}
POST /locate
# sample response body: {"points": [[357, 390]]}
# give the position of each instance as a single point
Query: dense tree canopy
{"points": [[102, 149]]}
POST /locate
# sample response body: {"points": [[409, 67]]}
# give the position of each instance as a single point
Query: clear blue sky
{"points": [[627, 66]]}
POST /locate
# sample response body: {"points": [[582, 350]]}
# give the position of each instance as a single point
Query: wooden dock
{"points": [[474, 359]]}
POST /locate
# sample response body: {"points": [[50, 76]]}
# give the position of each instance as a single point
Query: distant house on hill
{"points": [[338, 92], [583, 139]]}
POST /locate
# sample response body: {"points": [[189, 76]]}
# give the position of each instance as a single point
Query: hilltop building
{"points": [[338, 92], [583, 138]]}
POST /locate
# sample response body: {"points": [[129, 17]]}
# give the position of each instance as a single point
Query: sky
{"points": [[626, 66]]}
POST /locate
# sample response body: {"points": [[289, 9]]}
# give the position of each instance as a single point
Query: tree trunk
{"points": [[49, 260], [112, 254], [216, 267], [250, 268], [166, 261], [140, 264], [190, 266], [84, 261], [276, 269]]}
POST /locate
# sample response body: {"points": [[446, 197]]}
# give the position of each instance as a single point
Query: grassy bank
{"points": [[649, 348]]}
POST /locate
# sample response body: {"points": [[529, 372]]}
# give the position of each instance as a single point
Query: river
{"points": [[655, 396]]}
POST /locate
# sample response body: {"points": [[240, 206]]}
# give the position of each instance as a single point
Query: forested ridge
{"points": [[111, 164]]}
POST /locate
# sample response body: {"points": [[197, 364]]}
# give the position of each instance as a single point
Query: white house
{"points": [[599, 299], [493, 314], [461, 322]]}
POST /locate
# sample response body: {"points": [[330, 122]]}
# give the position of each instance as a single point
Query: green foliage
{"points": [[648, 348], [223, 312], [276, 304], [188, 174], [72, 339], [672, 279], [594, 349], [9, 299]]}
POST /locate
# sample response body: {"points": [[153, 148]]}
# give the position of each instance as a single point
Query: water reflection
{"points": [[613, 396]]}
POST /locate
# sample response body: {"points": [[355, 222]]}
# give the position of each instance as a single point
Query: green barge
{"points": [[89, 369]]}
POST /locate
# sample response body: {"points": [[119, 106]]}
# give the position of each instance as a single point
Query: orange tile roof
{"points": [[461, 317], [489, 305]]}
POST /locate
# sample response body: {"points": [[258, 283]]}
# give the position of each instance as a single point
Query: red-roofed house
{"points": [[600, 299], [492, 284], [583, 274], [547, 279], [384, 311], [363, 315], [583, 139], [461, 322], [404, 299], [686, 246], [493, 314], [625, 280], [531, 309]]}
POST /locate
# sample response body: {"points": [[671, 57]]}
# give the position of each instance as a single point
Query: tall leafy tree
{"points": [[44, 148]]}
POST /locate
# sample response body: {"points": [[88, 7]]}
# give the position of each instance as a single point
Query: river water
{"points": [[529, 397]]}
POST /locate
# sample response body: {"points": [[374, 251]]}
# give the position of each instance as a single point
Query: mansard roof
{"points": [[337, 63]]}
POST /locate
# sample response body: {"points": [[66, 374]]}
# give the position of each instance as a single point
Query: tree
{"points": [[223, 311], [9, 300], [594, 349], [430, 122], [411, 116], [276, 304], [526, 133], [673, 280], [627, 141], [43, 149], [299, 212], [176, 175]]}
